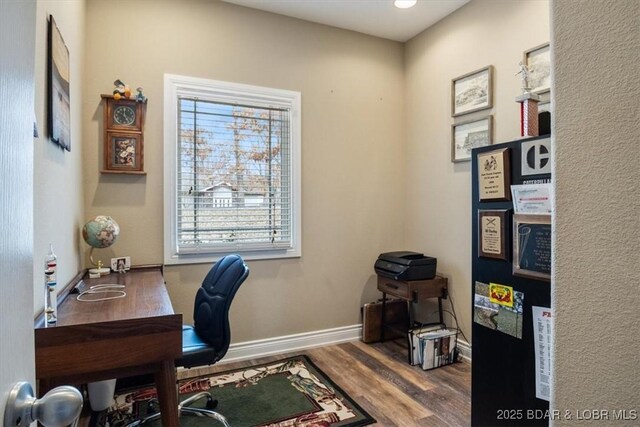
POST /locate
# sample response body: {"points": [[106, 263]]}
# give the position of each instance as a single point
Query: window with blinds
{"points": [[235, 171]]}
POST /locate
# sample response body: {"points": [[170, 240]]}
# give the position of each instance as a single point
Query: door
{"points": [[17, 54]]}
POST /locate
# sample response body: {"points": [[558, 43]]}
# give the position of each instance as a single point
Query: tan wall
{"points": [[352, 106], [596, 244], [353, 198], [58, 196], [438, 213]]}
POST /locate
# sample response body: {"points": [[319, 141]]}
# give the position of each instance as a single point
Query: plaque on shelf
{"points": [[532, 246], [494, 175], [492, 241]]}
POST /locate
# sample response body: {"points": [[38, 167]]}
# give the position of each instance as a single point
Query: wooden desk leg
{"points": [[168, 393]]}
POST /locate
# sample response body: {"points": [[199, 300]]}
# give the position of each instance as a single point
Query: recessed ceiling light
{"points": [[405, 4]]}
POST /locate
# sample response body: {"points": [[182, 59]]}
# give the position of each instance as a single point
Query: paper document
{"points": [[543, 345], [531, 199]]}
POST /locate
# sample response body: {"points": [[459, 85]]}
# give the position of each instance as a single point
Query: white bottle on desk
{"points": [[50, 282]]}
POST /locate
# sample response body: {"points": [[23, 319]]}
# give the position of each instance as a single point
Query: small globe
{"points": [[101, 232]]}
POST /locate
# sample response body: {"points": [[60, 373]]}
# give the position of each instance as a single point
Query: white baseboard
{"points": [[297, 342], [290, 343], [465, 350]]}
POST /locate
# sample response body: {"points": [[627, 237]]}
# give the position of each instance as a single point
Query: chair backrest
{"points": [[213, 300]]}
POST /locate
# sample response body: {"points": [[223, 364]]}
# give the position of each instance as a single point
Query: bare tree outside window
{"points": [[233, 150]]}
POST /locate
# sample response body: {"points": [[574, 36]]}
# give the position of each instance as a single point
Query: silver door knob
{"points": [[58, 408]]}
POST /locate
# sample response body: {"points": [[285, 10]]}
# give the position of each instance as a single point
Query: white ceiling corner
{"points": [[378, 18]]}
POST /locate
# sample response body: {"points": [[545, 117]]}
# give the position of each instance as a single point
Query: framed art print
{"points": [[123, 152], [59, 114], [469, 135], [472, 92], [538, 61]]}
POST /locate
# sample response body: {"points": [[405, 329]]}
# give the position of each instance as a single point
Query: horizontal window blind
{"points": [[233, 177]]}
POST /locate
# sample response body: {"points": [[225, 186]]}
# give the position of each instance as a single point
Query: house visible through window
{"points": [[234, 184]]}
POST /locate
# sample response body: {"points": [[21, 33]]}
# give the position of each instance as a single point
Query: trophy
{"points": [[528, 105]]}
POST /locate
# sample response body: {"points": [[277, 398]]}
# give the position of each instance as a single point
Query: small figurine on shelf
{"points": [[524, 74], [121, 90], [50, 282], [140, 96], [528, 104]]}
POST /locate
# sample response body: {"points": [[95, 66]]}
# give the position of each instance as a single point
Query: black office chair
{"points": [[207, 341]]}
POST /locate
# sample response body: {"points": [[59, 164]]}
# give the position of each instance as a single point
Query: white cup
{"points": [[101, 394]]}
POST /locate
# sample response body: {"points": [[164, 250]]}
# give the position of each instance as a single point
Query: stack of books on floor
{"points": [[432, 346]]}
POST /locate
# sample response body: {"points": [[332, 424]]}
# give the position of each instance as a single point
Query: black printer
{"points": [[405, 265]]}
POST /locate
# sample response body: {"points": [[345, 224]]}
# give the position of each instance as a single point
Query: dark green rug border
{"points": [[364, 422]]}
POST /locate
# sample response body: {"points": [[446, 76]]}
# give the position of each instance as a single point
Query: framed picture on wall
{"points": [[538, 62], [468, 135], [59, 88], [472, 92]]}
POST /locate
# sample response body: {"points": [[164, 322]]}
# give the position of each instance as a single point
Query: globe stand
{"points": [[101, 232], [101, 270]]}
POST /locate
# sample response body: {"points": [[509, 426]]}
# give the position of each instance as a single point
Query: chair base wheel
{"points": [[211, 403]]}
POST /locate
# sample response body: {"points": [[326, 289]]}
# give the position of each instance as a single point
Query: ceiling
{"points": [[374, 17]]}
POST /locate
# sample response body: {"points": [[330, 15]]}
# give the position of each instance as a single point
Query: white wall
{"points": [[58, 180], [596, 236], [438, 203]]}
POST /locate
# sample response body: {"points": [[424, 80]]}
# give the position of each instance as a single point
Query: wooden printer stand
{"points": [[411, 291]]}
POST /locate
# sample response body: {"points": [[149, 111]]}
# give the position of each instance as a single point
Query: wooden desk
{"points": [[94, 341], [411, 291]]}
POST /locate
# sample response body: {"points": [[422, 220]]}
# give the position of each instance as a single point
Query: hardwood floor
{"points": [[378, 377]]}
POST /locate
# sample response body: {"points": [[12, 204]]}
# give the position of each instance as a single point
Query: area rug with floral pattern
{"points": [[289, 392]]}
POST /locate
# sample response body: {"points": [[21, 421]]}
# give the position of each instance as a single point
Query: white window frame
{"points": [[176, 86]]}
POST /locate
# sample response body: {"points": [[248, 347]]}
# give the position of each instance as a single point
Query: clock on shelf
{"points": [[123, 135]]}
